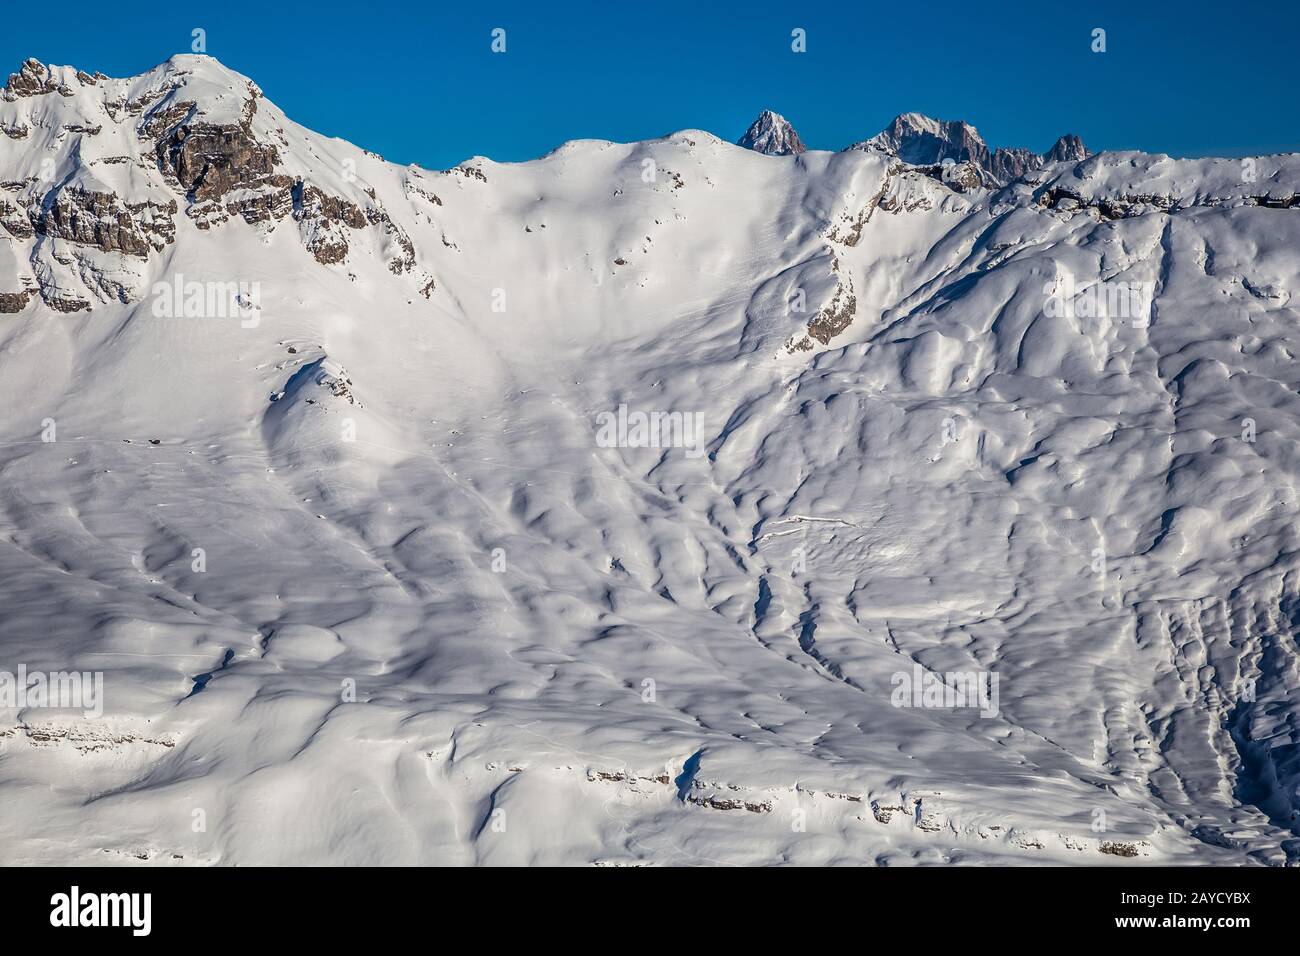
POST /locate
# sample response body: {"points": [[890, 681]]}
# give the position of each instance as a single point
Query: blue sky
{"points": [[417, 82]]}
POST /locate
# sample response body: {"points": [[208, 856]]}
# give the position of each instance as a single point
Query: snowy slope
{"points": [[367, 583]]}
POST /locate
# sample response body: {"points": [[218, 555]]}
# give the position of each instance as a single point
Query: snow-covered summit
{"points": [[921, 140], [113, 163]]}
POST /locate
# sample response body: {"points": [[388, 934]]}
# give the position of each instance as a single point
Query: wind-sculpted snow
{"points": [[677, 504]]}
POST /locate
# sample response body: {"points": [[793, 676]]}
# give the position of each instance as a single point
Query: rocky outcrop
{"points": [[101, 219], [1008, 164], [199, 132], [12, 302], [412, 188], [772, 135], [833, 317], [63, 303], [324, 221], [272, 201], [960, 177], [468, 171], [34, 79], [1067, 149], [837, 315], [402, 258], [15, 220], [222, 168], [1103, 208], [209, 161], [224, 171]]}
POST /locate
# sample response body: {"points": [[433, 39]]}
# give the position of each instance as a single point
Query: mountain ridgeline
{"points": [[919, 140]]}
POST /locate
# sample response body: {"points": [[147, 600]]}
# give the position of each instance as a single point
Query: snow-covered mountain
{"points": [[922, 141], [772, 134], [661, 502], [98, 170]]}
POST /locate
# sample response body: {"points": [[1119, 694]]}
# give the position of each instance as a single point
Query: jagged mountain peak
{"points": [[96, 166], [1068, 149], [921, 140], [204, 74], [35, 78], [771, 133]]}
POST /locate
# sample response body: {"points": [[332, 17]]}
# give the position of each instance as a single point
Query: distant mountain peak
{"points": [[772, 134], [1069, 148], [921, 140]]}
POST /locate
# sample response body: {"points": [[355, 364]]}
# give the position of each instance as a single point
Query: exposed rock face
{"points": [[311, 202], [11, 302], [1009, 164], [1068, 149], [324, 221], [961, 177], [17, 287], [189, 129], [210, 161], [15, 220], [837, 315], [1115, 207], [273, 201], [773, 135], [922, 141], [225, 171], [403, 257], [34, 79], [63, 303], [102, 220]]}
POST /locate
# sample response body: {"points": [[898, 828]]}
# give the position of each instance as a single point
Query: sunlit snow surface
{"points": [[576, 654]]}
